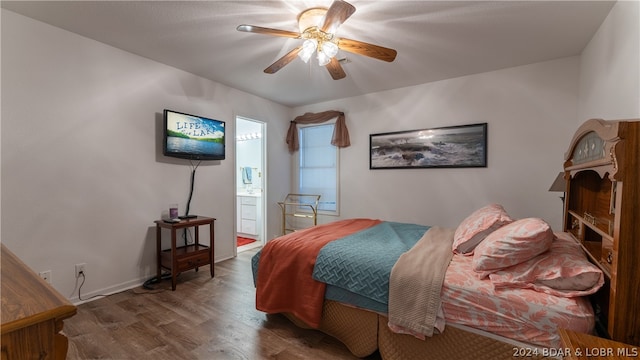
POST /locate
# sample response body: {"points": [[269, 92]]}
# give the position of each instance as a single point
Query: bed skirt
{"points": [[453, 343], [357, 329], [363, 332]]}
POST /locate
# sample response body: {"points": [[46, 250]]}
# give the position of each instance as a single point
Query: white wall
{"points": [[83, 176], [610, 67], [530, 111]]}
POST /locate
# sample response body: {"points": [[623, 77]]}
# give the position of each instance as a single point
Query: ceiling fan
{"points": [[317, 28]]}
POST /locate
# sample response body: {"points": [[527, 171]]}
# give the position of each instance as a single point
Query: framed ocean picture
{"points": [[443, 147]]}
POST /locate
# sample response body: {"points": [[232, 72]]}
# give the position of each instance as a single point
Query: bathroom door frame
{"points": [[262, 230]]}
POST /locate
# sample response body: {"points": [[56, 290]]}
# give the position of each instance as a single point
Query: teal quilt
{"points": [[361, 263]]}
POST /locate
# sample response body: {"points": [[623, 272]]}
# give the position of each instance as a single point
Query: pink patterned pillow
{"points": [[562, 271], [512, 244], [477, 226]]}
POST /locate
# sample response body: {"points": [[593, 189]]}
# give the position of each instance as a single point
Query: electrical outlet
{"points": [[45, 275], [80, 269]]}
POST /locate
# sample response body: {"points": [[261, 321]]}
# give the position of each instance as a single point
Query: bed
{"points": [[492, 288]]}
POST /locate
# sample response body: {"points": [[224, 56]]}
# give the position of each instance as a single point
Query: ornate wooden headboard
{"points": [[602, 211]]}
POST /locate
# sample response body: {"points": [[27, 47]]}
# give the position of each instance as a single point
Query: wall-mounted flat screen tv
{"points": [[193, 137]]}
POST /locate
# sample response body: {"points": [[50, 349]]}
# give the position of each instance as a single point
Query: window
{"points": [[318, 166]]}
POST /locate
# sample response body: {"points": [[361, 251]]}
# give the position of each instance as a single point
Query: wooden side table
{"points": [[182, 258], [583, 346]]}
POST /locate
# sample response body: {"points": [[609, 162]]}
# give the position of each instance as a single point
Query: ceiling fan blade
{"points": [[267, 31], [335, 69], [338, 12], [366, 49], [280, 63]]}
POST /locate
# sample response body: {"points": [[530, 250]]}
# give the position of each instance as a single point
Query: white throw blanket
{"points": [[416, 282]]}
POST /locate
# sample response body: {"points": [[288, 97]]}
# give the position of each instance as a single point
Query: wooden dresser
{"points": [[602, 211], [32, 313]]}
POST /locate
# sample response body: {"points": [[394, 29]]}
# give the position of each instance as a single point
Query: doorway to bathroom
{"points": [[250, 183]]}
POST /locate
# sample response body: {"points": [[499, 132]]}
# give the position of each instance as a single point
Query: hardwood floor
{"points": [[203, 319]]}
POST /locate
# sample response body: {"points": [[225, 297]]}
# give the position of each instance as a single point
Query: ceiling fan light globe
{"points": [[323, 59], [308, 47], [304, 56], [329, 48]]}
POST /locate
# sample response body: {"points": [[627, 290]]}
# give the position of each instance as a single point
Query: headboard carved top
{"points": [[596, 145]]}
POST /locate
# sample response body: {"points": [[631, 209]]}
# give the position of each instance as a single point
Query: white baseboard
{"points": [[100, 293]]}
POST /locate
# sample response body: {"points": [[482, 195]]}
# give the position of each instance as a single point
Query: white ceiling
{"points": [[435, 40]]}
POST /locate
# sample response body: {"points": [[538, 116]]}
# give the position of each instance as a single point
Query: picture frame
{"points": [[462, 146]]}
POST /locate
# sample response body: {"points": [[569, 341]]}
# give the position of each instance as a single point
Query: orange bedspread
{"points": [[284, 281]]}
